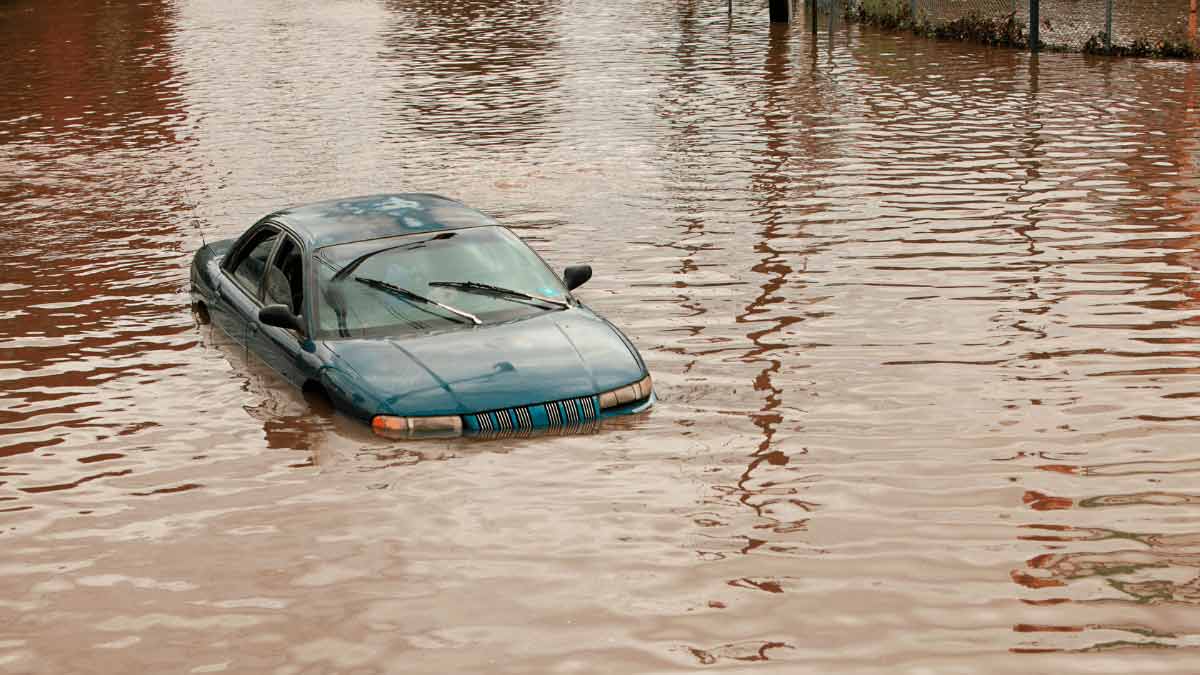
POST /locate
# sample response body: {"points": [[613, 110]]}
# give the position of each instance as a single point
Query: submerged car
{"points": [[419, 315]]}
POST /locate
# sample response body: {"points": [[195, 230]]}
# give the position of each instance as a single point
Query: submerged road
{"points": [[923, 318]]}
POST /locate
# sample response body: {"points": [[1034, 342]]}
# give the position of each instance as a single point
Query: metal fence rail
{"points": [[1147, 27]]}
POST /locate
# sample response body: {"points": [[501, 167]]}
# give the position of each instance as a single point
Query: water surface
{"points": [[922, 318]]}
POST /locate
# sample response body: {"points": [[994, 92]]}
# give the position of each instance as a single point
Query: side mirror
{"points": [[281, 317], [576, 276]]}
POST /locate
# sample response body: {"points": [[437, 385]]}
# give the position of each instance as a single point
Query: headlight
{"points": [[405, 427], [627, 394]]}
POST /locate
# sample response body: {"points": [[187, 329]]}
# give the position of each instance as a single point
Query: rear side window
{"points": [[249, 270]]}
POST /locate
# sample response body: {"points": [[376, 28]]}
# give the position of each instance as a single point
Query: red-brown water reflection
{"points": [[921, 317]]}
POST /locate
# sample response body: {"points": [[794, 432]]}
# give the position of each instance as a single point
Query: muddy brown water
{"points": [[923, 318]]}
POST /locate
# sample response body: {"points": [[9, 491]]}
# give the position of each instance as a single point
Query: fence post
{"points": [[779, 11], [1108, 25], [912, 11], [813, 7], [1034, 20]]}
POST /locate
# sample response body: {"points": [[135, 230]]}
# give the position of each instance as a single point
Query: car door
{"points": [[283, 283], [241, 285]]}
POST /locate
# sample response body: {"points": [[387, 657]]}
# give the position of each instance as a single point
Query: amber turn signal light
{"points": [[391, 426]]}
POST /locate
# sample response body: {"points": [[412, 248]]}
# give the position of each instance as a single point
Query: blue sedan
{"points": [[419, 315]]}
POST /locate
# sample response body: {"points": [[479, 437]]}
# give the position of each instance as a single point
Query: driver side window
{"points": [[249, 270]]}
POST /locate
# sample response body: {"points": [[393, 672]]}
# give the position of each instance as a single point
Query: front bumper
{"points": [[582, 413]]}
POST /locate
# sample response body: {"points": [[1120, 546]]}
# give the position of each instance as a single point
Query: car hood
{"points": [[547, 357]]}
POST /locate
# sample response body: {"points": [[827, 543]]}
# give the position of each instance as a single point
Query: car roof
{"points": [[338, 221]]}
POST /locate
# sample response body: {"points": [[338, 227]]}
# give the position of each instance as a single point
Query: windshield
{"points": [[408, 284]]}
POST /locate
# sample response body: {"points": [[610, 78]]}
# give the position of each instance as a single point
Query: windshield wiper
{"points": [[410, 296], [353, 264], [497, 290]]}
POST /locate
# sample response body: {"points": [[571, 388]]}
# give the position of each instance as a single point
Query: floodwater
{"points": [[924, 319]]}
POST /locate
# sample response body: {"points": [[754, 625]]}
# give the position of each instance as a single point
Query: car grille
{"points": [[566, 413], [575, 430]]}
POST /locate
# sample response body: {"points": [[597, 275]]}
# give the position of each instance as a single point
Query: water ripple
{"points": [[921, 317]]}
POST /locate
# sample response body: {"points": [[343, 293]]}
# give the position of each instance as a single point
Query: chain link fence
{"points": [[1134, 27]]}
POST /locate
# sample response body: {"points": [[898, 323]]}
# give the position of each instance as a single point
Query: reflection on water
{"points": [[921, 318], [1100, 564], [502, 59]]}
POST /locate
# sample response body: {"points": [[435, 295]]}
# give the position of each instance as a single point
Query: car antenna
{"points": [[197, 223]]}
